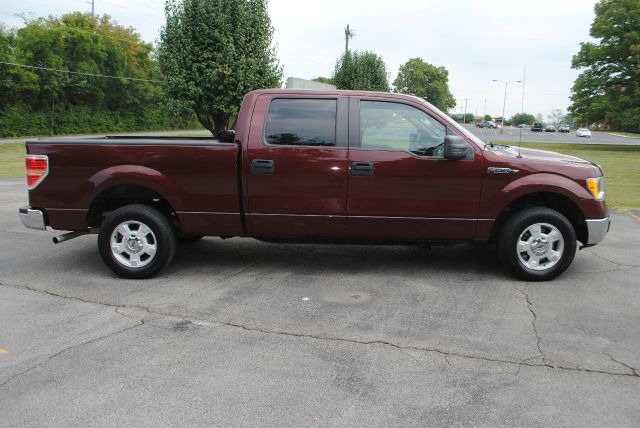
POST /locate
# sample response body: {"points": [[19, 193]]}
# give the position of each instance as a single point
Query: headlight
{"points": [[597, 188]]}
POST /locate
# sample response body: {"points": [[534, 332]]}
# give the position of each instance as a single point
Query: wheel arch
{"points": [[119, 195], [550, 199]]}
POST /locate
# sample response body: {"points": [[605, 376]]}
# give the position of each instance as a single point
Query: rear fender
{"points": [[132, 175]]}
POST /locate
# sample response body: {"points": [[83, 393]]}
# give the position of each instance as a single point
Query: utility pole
{"points": [[524, 74], [504, 103], [485, 109], [348, 34], [93, 7], [464, 117]]}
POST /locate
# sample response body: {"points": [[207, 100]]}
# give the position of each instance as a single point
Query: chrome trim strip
{"points": [[32, 219], [369, 217], [597, 230]]}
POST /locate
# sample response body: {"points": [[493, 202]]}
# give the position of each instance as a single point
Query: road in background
{"points": [[202, 132], [512, 135], [245, 333]]}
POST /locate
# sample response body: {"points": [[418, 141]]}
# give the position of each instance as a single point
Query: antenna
{"points": [[524, 75]]}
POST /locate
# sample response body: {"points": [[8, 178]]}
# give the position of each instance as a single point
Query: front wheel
{"points": [[537, 244], [136, 241]]}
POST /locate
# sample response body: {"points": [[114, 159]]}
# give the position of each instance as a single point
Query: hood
{"points": [[534, 154]]}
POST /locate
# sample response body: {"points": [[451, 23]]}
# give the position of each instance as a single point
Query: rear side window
{"points": [[301, 122]]}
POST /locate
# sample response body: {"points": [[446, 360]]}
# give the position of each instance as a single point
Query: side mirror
{"points": [[455, 148], [228, 136]]}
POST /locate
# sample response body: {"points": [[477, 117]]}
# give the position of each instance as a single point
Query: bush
{"points": [[20, 120]]}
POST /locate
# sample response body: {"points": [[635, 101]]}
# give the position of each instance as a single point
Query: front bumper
{"points": [[33, 219], [597, 230]]}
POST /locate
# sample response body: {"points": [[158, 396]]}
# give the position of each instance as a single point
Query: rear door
{"points": [[400, 185], [296, 167]]}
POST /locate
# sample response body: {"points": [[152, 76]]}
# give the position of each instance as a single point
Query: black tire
{"points": [[161, 236], [517, 225]]}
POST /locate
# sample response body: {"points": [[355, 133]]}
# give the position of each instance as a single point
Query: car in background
{"points": [[564, 129], [550, 128], [487, 124], [522, 125], [537, 127], [583, 132]]}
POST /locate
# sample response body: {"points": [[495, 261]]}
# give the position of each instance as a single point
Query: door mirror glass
{"points": [[455, 148]]}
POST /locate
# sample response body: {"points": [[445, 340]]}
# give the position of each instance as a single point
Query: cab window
{"points": [[400, 127], [301, 122]]}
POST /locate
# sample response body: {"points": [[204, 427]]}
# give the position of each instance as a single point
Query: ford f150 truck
{"points": [[311, 166]]}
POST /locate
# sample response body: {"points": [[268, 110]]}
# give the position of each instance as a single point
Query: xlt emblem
{"points": [[499, 170]]}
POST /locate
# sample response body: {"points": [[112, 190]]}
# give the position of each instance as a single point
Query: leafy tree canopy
{"points": [[323, 80], [525, 118], [35, 99], [426, 81], [364, 71], [212, 52], [608, 89]]}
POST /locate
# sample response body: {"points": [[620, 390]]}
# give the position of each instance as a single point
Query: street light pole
{"points": [[464, 117], [504, 103]]}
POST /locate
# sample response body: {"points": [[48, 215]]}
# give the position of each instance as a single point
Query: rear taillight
{"points": [[37, 167]]}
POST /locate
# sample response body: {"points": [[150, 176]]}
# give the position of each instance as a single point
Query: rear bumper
{"points": [[597, 230], [33, 219]]}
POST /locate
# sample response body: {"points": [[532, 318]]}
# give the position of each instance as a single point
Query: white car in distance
{"points": [[583, 132]]}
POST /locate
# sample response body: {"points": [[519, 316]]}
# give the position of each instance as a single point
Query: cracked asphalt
{"points": [[240, 332]]}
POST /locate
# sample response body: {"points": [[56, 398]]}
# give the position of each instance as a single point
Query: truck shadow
{"points": [[213, 254]]}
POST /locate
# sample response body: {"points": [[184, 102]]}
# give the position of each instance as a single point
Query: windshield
{"points": [[455, 125]]}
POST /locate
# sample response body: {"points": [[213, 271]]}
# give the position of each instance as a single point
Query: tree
{"points": [[525, 118], [424, 80], [323, 80], [488, 117], [608, 89], [58, 85], [363, 71], [556, 117], [212, 52]]}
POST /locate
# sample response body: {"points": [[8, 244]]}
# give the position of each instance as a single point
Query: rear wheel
{"points": [[136, 241], [537, 244]]}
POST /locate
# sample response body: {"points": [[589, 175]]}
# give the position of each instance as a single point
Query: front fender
{"points": [[132, 175], [496, 200]]}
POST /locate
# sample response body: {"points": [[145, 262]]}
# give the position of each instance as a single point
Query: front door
{"points": [[400, 185], [296, 168]]}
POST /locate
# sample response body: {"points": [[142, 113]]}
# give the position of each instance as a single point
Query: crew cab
{"points": [[316, 166]]}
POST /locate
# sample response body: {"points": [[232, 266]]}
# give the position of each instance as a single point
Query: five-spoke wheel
{"points": [[537, 243], [136, 241]]}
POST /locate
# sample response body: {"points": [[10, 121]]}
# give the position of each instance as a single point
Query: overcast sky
{"points": [[477, 41]]}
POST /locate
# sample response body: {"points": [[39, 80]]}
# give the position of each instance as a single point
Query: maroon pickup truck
{"points": [[311, 166]]}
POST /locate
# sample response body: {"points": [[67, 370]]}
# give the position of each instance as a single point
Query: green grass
{"points": [[621, 165], [11, 159], [622, 134]]}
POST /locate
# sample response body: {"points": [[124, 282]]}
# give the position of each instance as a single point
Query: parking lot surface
{"points": [[241, 332], [512, 135]]}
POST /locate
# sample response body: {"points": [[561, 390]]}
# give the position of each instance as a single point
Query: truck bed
{"points": [[196, 176]]}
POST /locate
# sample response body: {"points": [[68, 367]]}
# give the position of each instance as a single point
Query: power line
{"points": [[133, 10], [77, 72]]}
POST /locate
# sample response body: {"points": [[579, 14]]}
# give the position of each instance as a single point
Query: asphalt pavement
{"points": [[239, 332], [512, 135]]}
